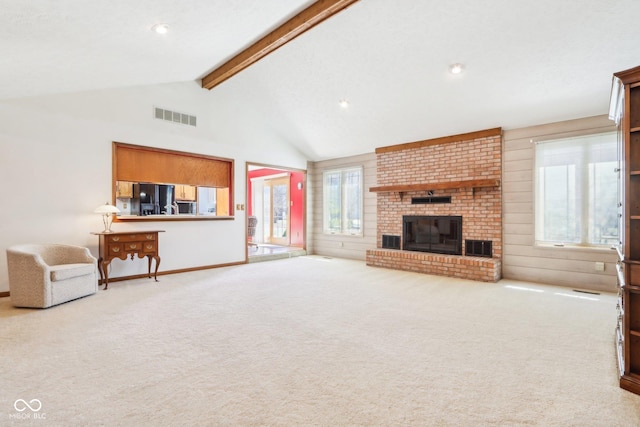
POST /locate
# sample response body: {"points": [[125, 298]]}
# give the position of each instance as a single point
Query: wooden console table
{"points": [[127, 244]]}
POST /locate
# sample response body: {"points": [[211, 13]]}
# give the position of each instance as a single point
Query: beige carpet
{"points": [[312, 341]]}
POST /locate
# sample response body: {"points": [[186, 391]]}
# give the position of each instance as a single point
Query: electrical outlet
{"points": [[599, 266]]}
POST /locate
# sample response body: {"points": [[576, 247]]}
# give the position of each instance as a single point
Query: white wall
{"points": [[522, 259], [55, 168]]}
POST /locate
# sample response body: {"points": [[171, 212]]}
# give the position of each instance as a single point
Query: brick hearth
{"points": [[464, 267], [466, 167]]}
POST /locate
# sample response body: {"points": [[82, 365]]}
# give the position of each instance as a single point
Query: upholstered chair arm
{"points": [[29, 277]]}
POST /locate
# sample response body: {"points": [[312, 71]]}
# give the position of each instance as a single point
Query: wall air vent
{"points": [[430, 200], [172, 116]]}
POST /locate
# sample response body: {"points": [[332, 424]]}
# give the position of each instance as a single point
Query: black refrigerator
{"points": [[166, 198], [154, 199]]}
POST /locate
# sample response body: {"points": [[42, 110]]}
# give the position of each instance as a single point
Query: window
{"points": [[576, 191], [342, 201]]}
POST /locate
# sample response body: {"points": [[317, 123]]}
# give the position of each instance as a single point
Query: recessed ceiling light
{"points": [[456, 68], [160, 28], [344, 103]]}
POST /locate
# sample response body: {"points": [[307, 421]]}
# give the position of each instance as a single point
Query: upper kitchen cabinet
{"points": [[186, 193], [124, 190]]}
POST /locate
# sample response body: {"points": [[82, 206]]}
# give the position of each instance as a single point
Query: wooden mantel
{"points": [[404, 188]]}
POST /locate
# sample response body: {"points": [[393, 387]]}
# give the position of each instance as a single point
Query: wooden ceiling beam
{"points": [[303, 21]]}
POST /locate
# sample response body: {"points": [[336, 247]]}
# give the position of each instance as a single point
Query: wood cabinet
{"points": [[138, 163], [625, 110], [186, 193], [124, 190], [121, 245], [222, 201]]}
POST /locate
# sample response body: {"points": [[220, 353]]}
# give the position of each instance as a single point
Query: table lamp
{"points": [[107, 211]]}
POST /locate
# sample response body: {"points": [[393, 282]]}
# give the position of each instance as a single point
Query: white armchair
{"points": [[41, 276]]}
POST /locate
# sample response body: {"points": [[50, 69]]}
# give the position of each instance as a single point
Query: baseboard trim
{"points": [[160, 273], [163, 273]]}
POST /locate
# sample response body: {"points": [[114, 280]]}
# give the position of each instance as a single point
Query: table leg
{"points": [[155, 274], [100, 270], [157, 258], [105, 270]]}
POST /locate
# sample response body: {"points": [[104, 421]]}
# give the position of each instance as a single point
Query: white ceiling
{"points": [[527, 62]]}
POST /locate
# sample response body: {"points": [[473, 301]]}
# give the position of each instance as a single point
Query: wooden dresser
{"points": [[127, 244], [625, 110]]}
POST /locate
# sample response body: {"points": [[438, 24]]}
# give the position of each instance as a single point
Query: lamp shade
{"points": [[106, 209], [107, 212]]}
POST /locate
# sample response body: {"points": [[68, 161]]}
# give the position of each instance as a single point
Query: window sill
{"points": [[570, 247], [328, 233]]}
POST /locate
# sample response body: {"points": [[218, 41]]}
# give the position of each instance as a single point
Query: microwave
{"points": [[187, 207]]}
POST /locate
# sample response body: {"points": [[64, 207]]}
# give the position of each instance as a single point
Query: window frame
{"points": [[587, 217], [344, 211]]}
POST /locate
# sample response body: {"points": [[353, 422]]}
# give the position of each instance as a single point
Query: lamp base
{"points": [[107, 220]]}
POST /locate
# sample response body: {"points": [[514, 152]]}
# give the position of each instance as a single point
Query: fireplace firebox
{"points": [[436, 234]]}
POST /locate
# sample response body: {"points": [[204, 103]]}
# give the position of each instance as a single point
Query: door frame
{"points": [[295, 186]]}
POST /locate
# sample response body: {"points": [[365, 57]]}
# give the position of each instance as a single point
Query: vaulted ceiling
{"points": [[526, 62]]}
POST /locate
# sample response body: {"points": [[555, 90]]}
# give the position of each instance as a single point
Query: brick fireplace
{"points": [[452, 176]]}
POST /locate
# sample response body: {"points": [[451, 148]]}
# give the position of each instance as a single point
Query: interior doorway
{"points": [[276, 196]]}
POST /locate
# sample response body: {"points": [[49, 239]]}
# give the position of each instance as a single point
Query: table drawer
{"points": [[132, 246], [115, 249], [123, 238], [149, 247]]}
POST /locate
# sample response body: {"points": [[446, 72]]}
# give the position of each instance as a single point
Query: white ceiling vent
{"points": [[175, 117]]}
